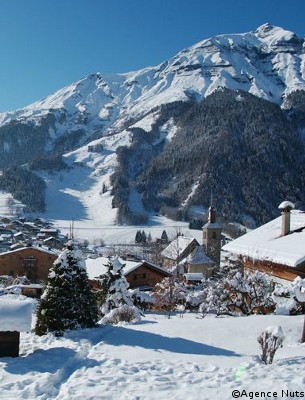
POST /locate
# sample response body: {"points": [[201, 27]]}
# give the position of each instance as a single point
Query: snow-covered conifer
{"points": [[67, 302], [115, 291]]}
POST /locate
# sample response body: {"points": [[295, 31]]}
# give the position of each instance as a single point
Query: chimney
{"points": [[286, 207]]}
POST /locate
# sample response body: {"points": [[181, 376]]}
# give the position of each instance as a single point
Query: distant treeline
{"points": [[26, 187]]}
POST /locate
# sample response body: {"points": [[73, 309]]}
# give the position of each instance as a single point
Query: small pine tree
{"points": [[138, 238], [149, 238], [164, 237], [67, 302], [114, 289], [144, 238]]}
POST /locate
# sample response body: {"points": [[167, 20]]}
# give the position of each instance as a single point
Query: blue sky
{"points": [[48, 44]]}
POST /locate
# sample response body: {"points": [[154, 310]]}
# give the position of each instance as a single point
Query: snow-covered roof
{"points": [[98, 266], [198, 256], [15, 315], [40, 248], [193, 276], [176, 248], [266, 242], [149, 265], [214, 225]]}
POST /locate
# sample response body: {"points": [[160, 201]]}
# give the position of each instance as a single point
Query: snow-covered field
{"points": [[157, 358]]}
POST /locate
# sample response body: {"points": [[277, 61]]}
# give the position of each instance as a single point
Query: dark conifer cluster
{"points": [[67, 302]]}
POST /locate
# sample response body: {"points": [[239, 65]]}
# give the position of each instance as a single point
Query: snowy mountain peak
{"points": [[268, 63], [275, 36], [265, 30]]}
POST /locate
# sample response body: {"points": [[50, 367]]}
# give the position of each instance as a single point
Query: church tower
{"points": [[212, 237]]}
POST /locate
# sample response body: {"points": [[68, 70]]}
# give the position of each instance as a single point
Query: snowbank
{"points": [[15, 315]]}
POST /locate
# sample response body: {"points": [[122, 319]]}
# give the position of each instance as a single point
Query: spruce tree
{"points": [[67, 302], [114, 292], [164, 237]]}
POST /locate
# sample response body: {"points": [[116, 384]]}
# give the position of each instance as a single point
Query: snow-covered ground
{"points": [[157, 358]]}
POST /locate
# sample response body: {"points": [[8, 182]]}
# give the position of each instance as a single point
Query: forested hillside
{"points": [[244, 150], [26, 187]]}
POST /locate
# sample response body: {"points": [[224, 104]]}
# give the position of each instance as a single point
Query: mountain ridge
{"points": [[89, 120]]}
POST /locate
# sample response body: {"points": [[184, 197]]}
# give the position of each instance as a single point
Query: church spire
{"points": [[212, 235]]}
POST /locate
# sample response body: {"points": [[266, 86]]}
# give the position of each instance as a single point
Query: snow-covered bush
{"points": [[114, 288], [143, 300], [21, 280], [123, 313], [270, 340], [67, 302], [6, 280], [194, 299], [290, 298], [235, 292]]}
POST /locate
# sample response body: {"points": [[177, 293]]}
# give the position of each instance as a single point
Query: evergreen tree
{"points": [[138, 238], [164, 237], [144, 238], [149, 238], [67, 302], [114, 290]]}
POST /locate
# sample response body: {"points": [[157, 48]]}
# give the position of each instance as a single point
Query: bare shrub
{"points": [[270, 340]]}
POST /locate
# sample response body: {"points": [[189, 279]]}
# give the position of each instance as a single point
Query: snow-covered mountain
{"points": [[269, 63], [98, 111]]}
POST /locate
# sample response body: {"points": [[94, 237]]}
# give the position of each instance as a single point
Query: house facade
{"points": [[276, 248], [32, 262], [145, 275]]}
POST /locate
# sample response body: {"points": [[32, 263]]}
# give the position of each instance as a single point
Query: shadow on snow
{"points": [[120, 336], [57, 359]]}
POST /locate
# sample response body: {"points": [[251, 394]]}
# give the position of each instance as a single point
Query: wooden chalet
{"points": [[32, 262], [276, 248], [145, 275]]}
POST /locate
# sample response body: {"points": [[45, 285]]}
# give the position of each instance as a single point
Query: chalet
{"points": [[276, 248], [145, 275], [33, 262]]}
